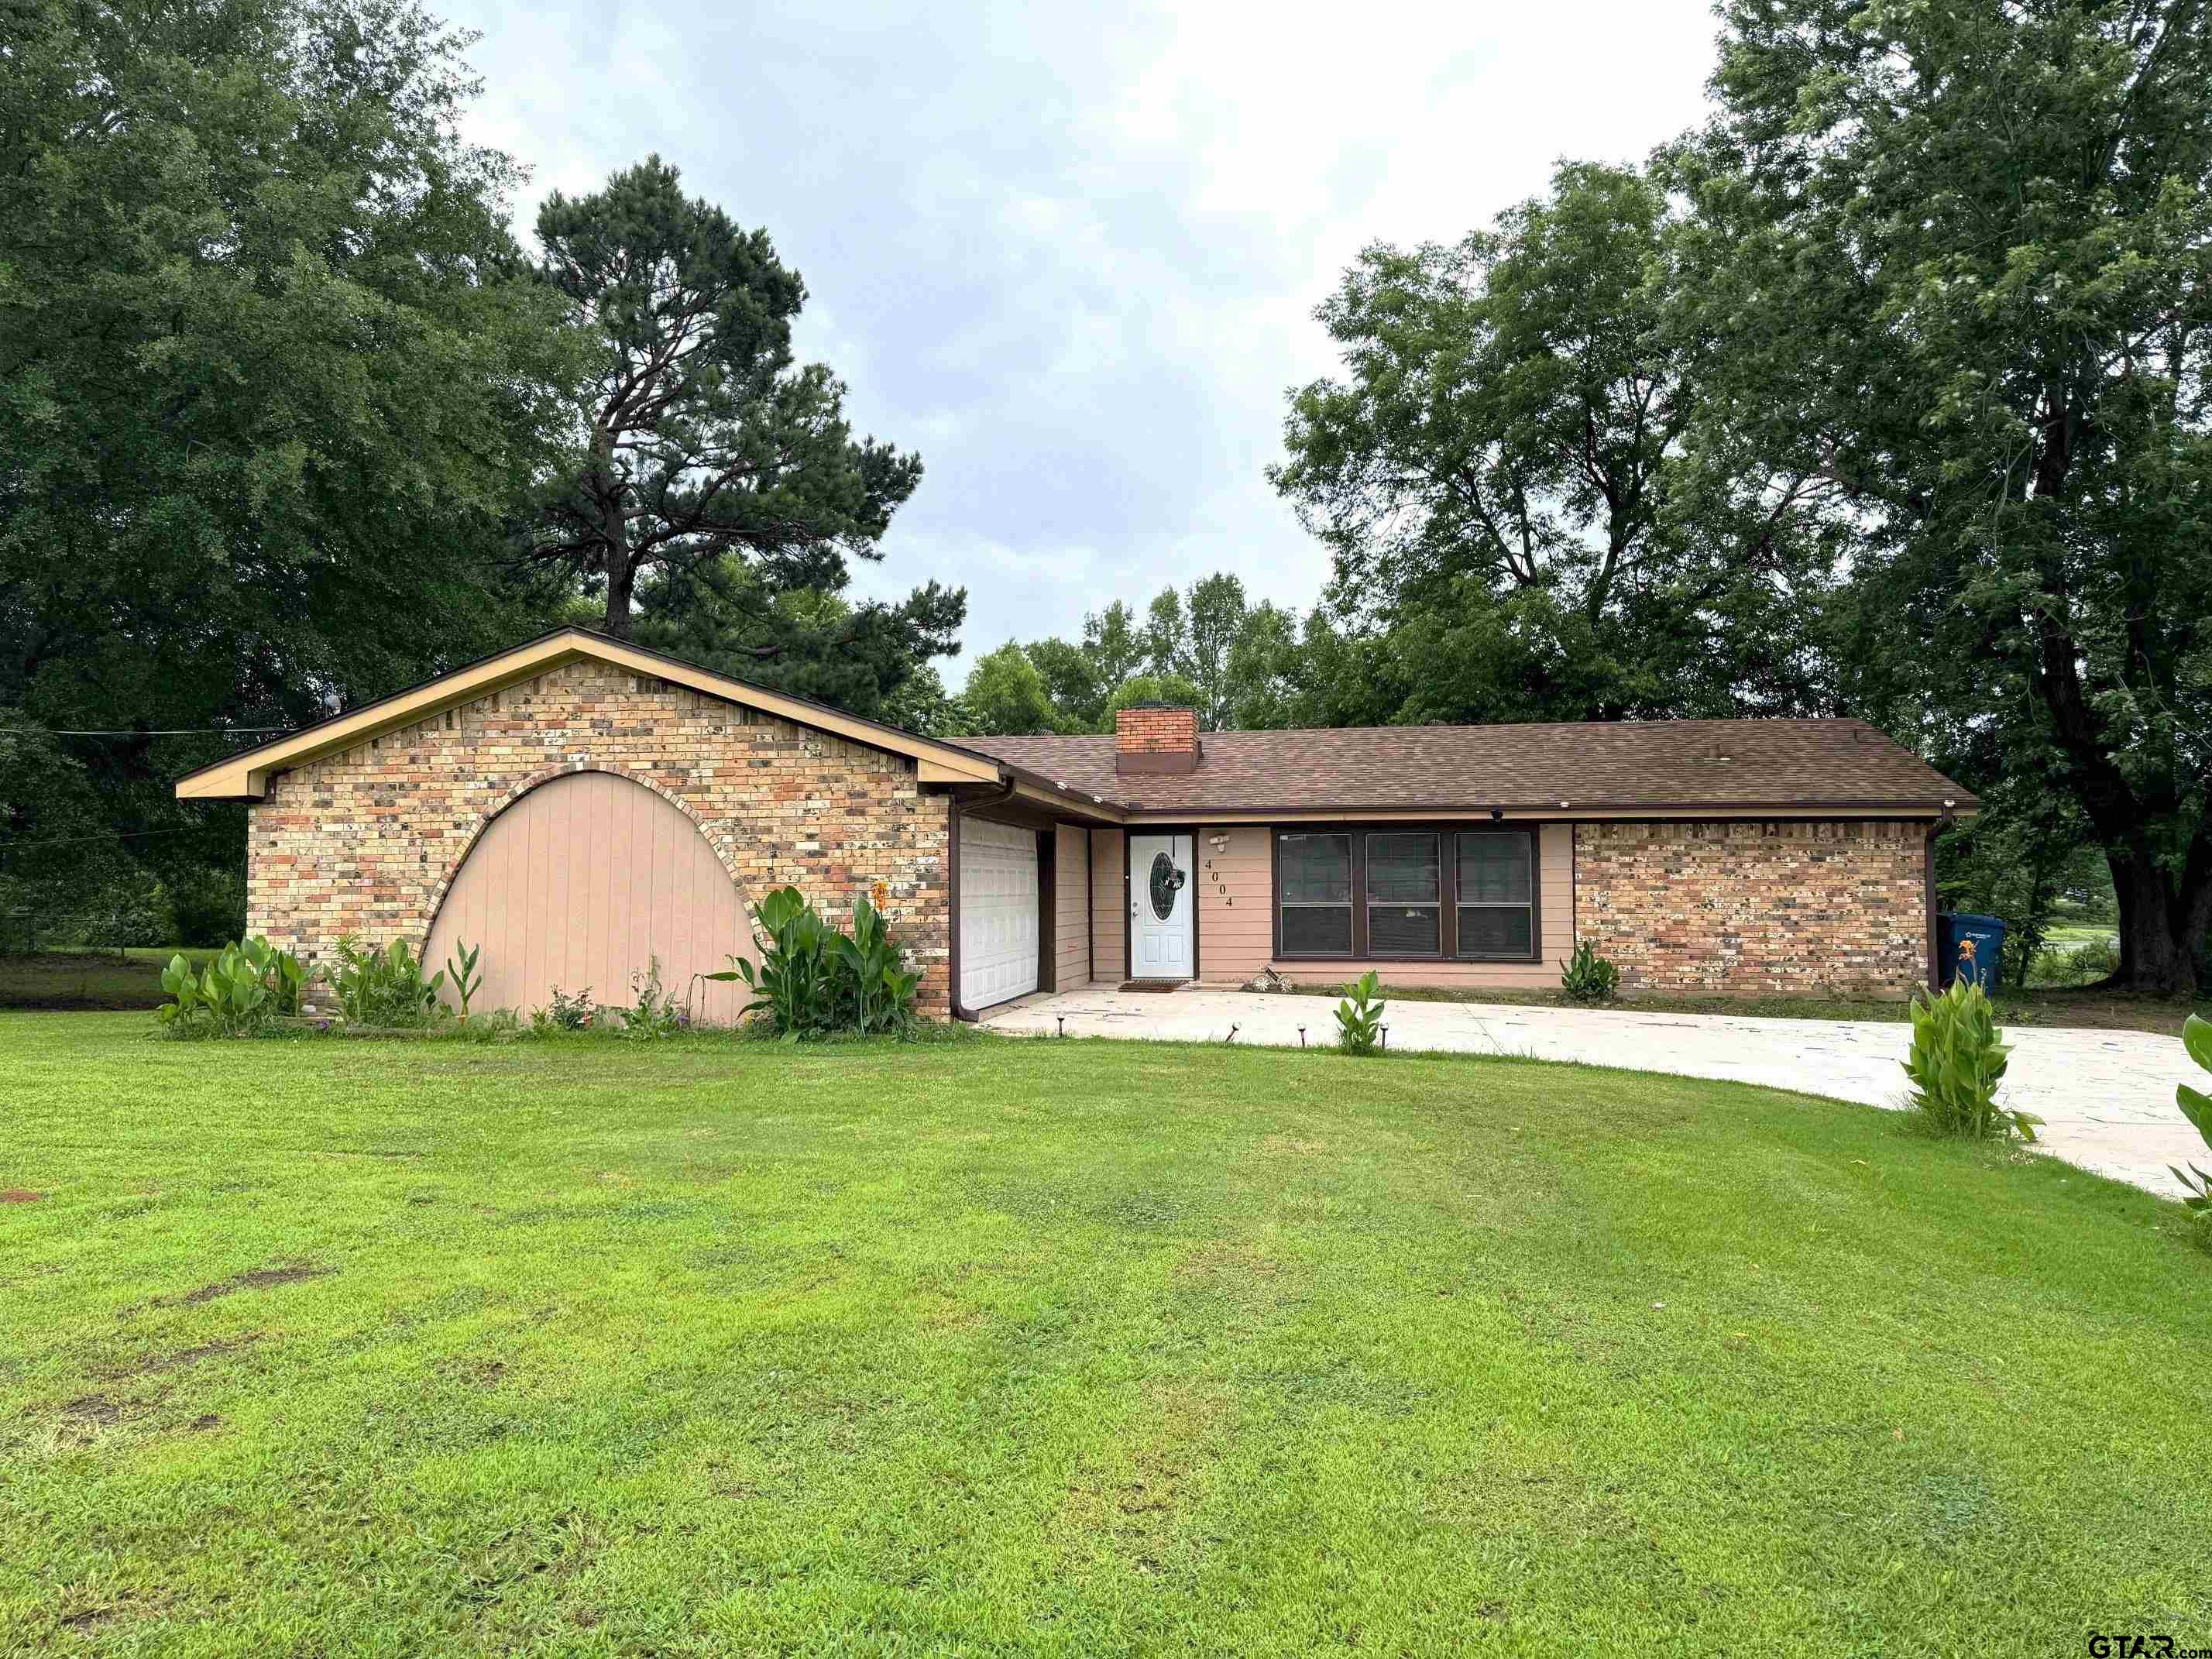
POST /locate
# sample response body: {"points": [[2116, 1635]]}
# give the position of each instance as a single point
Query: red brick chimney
{"points": [[1156, 737]]}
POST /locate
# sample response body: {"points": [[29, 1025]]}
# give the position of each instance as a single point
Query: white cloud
{"points": [[1072, 256]]}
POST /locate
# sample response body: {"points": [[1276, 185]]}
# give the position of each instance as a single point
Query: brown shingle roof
{"points": [[1733, 764]]}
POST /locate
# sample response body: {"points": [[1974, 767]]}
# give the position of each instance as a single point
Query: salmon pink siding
{"points": [[1071, 920], [1237, 920], [1107, 926]]}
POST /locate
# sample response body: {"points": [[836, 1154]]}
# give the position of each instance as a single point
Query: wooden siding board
{"points": [[1108, 923], [1072, 899]]}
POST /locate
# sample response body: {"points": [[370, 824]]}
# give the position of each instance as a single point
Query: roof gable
{"points": [[246, 777]]}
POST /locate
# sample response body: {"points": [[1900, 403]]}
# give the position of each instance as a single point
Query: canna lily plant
{"points": [[2196, 1106], [1956, 1062]]}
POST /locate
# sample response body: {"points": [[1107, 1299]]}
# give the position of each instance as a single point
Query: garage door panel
{"points": [[999, 901], [579, 884]]}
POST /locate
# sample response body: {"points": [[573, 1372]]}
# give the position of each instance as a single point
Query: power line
{"points": [[166, 732], [79, 841]]}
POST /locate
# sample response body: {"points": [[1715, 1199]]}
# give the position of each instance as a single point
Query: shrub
{"points": [[2096, 959], [813, 980], [2196, 1106], [1957, 1060], [1588, 978], [565, 1012], [243, 987], [386, 986], [652, 1012], [131, 910], [1359, 1017], [207, 907]]}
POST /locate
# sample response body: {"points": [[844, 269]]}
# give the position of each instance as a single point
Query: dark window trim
{"points": [[1448, 883], [1535, 838], [1356, 904], [1446, 931]]}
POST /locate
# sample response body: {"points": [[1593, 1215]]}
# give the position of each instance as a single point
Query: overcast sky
{"points": [[1071, 257]]}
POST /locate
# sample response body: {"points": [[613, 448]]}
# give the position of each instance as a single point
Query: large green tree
{"points": [[1509, 477], [1006, 696], [272, 371], [1962, 258], [696, 438], [728, 615], [1190, 636]]}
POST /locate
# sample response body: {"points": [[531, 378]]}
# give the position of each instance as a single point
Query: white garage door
{"points": [[998, 912]]}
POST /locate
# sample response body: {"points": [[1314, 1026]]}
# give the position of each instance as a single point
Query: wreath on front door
{"points": [[1166, 882]]}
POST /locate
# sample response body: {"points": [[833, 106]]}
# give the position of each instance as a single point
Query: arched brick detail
{"points": [[721, 844], [371, 840]]}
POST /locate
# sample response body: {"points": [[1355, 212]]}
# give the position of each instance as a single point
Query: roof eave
{"points": [[245, 776]]}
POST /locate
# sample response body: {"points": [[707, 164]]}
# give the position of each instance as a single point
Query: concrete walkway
{"points": [[2107, 1096]]}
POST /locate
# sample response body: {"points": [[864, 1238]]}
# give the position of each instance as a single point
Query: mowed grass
{"points": [[77, 980], [1080, 1348]]}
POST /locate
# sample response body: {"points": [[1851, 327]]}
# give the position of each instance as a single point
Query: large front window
{"points": [[1393, 892], [1497, 886], [1314, 884], [1405, 911]]}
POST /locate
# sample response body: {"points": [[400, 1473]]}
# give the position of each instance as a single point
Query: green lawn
{"points": [[79, 979], [1084, 1348]]}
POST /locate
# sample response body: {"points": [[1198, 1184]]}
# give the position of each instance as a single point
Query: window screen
{"points": [[1496, 889], [1314, 884], [1405, 917]]}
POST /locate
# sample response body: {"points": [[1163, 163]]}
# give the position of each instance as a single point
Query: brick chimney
{"points": [[1156, 737]]}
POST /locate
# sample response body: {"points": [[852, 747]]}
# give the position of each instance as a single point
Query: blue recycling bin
{"points": [[1972, 947]]}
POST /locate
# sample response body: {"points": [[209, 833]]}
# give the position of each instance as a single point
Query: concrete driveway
{"points": [[2107, 1096]]}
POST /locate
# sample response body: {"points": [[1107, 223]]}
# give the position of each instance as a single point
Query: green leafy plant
{"points": [[462, 975], [244, 984], [792, 983], [875, 991], [386, 986], [1359, 1017], [814, 981], [2196, 1106], [1957, 1061], [566, 1013], [1588, 978], [652, 1013]]}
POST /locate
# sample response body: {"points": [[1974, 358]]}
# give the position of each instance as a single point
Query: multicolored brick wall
{"points": [[368, 841], [1756, 907]]}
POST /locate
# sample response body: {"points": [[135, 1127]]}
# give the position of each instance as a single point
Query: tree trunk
{"points": [[621, 583], [620, 568], [2162, 921]]}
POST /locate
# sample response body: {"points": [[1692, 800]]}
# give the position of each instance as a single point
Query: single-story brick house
{"points": [[578, 806]]}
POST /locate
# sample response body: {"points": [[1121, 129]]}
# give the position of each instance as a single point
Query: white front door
{"points": [[1160, 897]]}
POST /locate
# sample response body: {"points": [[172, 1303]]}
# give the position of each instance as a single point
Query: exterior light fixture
{"points": [[1386, 1037], [1302, 1036], [1496, 812]]}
